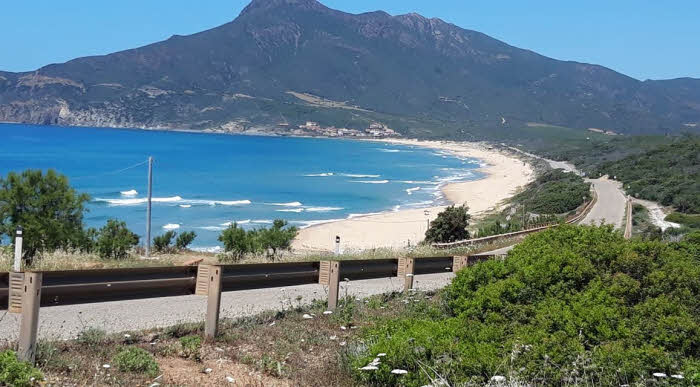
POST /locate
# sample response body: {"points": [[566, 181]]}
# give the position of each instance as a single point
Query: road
{"points": [[66, 322], [610, 207]]}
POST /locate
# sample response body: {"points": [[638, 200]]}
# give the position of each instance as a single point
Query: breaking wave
{"points": [[131, 192], [171, 226], [370, 181], [410, 191], [326, 174]]}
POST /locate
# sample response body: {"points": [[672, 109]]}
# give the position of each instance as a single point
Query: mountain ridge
{"points": [[406, 70]]}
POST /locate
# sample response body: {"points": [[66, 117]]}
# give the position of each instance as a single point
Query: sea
{"points": [[203, 182]]}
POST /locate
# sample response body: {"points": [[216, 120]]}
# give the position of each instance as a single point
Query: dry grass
{"points": [[65, 260], [270, 349]]}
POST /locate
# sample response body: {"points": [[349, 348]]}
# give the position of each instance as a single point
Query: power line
{"points": [[111, 172]]}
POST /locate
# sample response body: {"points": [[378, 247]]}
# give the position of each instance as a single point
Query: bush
{"points": [[163, 243], [114, 240], [554, 192], [185, 239], [191, 346], [449, 226], [571, 305], [239, 242], [17, 373], [49, 210], [136, 360]]}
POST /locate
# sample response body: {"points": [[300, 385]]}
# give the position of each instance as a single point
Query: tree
{"points": [[277, 237], [237, 241], [185, 239], [449, 226], [48, 209], [114, 240], [162, 243]]}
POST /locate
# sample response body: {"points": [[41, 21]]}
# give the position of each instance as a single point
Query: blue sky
{"points": [[643, 38]]}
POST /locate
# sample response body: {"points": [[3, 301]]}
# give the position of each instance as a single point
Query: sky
{"points": [[645, 39]]}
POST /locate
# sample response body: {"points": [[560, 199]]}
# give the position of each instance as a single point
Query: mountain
{"points": [[287, 61]]}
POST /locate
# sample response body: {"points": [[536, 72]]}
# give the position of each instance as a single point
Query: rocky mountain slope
{"points": [[287, 61]]}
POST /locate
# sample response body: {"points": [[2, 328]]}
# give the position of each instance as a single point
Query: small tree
{"points": [[114, 240], [449, 226], [49, 210], [236, 241], [277, 237], [185, 239], [163, 243]]}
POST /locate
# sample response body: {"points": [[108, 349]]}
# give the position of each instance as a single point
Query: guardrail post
{"points": [[31, 299], [406, 270], [329, 275], [213, 302], [459, 263]]}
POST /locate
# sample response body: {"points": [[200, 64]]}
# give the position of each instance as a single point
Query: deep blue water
{"points": [[203, 181]]}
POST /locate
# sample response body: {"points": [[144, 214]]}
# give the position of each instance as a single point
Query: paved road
{"points": [[610, 207], [65, 322]]}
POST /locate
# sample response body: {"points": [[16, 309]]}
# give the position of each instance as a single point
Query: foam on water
{"points": [[410, 191], [290, 204], [131, 192], [171, 226], [172, 199], [370, 181], [322, 209], [360, 175], [297, 210], [325, 174]]}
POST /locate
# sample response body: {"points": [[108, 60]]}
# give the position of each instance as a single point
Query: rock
{"points": [[207, 370], [328, 312], [307, 316], [498, 378], [230, 379], [106, 366]]}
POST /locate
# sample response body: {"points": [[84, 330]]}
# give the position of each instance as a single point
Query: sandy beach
{"points": [[505, 174]]}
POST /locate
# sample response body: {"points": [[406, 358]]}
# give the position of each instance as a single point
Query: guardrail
{"points": [[26, 292], [575, 219]]}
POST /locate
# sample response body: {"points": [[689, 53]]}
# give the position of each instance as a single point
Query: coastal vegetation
{"points": [[571, 305], [546, 200], [239, 242], [115, 240], [49, 210], [668, 174], [449, 226]]}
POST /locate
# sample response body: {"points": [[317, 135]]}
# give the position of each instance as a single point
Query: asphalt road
{"points": [[66, 322], [610, 207]]}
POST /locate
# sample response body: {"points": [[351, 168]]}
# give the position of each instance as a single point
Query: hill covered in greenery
{"points": [[574, 305], [288, 61], [668, 174]]}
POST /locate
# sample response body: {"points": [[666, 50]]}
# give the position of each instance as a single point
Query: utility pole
{"points": [[18, 250], [148, 207]]}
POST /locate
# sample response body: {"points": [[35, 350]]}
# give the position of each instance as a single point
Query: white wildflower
{"points": [[369, 368], [399, 372], [659, 375]]}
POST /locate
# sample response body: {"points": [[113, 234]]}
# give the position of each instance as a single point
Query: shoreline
{"points": [[504, 175]]}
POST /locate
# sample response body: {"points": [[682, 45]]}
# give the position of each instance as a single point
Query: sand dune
{"points": [[505, 174]]}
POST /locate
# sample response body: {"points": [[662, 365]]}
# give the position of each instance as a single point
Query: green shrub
{"points": [[191, 346], [114, 240], [239, 242], [554, 192], [689, 220], [449, 226], [93, 337], [45, 205], [185, 239], [17, 373], [571, 305], [136, 360], [163, 243]]}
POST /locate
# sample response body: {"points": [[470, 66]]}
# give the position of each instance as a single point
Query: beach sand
{"points": [[505, 175]]}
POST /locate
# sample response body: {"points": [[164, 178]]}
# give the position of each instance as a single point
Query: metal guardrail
{"points": [[577, 218], [52, 288]]}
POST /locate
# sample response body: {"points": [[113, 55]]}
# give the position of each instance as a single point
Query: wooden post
{"points": [[459, 263], [31, 298], [406, 271], [333, 285], [213, 302]]}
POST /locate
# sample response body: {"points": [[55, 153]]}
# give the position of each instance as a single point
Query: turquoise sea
{"points": [[203, 181]]}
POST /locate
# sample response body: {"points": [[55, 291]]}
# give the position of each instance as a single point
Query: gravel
{"points": [[66, 322]]}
